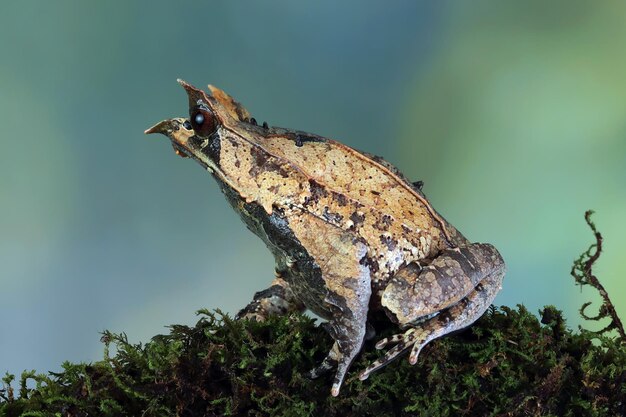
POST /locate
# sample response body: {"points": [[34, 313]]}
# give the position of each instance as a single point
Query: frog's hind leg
{"points": [[447, 295], [454, 318], [278, 299]]}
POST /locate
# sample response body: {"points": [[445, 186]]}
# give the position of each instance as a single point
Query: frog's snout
{"points": [[165, 127], [177, 130]]}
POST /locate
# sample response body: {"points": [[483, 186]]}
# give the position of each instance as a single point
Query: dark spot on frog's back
{"points": [[298, 137], [317, 192], [357, 218], [264, 162], [334, 218], [371, 263], [341, 199], [384, 222], [260, 157], [388, 241], [302, 137]]}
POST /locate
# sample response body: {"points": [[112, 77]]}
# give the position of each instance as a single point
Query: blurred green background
{"points": [[512, 113]]}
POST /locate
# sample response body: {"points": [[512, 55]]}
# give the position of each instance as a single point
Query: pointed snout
{"points": [[165, 127], [177, 132]]}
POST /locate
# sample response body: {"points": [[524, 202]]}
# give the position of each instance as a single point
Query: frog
{"points": [[350, 234]]}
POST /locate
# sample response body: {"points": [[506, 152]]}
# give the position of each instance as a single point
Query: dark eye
{"points": [[203, 121]]}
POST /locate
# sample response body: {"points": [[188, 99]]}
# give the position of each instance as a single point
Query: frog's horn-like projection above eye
{"points": [[194, 94], [234, 108], [225, 103]]}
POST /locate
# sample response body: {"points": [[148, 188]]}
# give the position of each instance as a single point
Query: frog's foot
{"points": [[461, 282], [328, 364], [348, 341], [457, 317], [414, 339], [276, 300], [331, 361]]}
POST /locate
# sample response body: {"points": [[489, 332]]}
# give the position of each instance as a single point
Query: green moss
{"points": [[510, 362]]}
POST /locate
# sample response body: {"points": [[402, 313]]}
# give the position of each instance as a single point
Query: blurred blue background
{"points": [[512, 113]]}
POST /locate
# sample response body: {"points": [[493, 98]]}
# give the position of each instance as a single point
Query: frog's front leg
{"points": [[450, 293], [278, 299], [337, 288], [347, 327]]}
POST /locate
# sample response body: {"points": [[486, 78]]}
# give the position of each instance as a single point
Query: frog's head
{"points": [[199, 136]]}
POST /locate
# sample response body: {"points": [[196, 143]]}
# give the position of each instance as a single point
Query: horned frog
{"points": [[349, 233]]}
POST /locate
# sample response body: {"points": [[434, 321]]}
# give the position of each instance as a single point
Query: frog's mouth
{"points": [[179, 151], [179, 132], [171, 128]]}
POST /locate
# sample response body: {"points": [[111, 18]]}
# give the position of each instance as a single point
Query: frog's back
{"points": [[348, 189], [357, 192]]}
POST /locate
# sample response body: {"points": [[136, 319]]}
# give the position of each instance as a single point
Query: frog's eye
{"points": [[203, 121]]}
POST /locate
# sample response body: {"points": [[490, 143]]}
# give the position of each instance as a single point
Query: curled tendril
{"points": [[582, 271]]}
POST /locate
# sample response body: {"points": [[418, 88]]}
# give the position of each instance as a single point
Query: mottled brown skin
{"points": [[350, 234]]}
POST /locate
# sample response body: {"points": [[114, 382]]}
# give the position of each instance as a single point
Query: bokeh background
{"points": [[512, 113]]}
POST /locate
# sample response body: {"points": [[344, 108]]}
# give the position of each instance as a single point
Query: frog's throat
{"points": [[207, 164]]}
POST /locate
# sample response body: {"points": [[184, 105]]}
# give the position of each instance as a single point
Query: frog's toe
{"points": [[420, 340], [328, 364], [387, 340], [251, 312], [414, 339], [323, 368], [389, 356], [402, 341]]}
